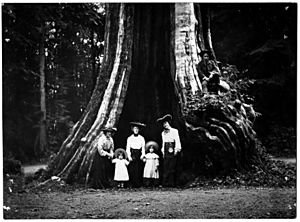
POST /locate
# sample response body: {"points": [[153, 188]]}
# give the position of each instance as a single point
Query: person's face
{"points": [[120, 156], [205, 57], [151, 150], [166, 125], [135, 130]]}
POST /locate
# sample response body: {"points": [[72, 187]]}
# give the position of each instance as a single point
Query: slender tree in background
{"points": [[47, 66], [148, 70], [43, 126]]}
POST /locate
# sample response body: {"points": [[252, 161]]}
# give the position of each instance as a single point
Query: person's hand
{"points": [[129, 158], [142, 157]]}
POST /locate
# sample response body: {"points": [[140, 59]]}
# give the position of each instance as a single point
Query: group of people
{"points": [[138, 164]]}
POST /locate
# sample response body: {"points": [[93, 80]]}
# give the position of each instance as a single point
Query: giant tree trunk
{"points": [[148, 70]]}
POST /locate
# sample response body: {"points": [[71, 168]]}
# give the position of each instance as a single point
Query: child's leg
{"points": [[155, 182], [146, 182]]}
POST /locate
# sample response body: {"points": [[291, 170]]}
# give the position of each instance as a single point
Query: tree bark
{"points": [[148, 70], [204, 30]]}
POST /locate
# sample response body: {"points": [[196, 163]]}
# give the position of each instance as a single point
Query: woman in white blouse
{"points": [[135, 149], [102, 162], [171, 146]]}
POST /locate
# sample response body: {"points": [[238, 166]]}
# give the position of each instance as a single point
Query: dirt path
{"points": [[31, 169], [159, 203]]}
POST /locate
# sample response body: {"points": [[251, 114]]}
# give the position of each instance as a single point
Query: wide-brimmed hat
{"points": [[205, 51], [167, 118], [109, 129], [138, 124], [120, 150], [151, 144]]}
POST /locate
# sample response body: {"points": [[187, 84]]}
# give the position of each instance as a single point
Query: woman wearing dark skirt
{"points": [[135, 149], [102, 166]]}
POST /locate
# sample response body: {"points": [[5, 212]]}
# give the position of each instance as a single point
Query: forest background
{"points": [[62, 46]]}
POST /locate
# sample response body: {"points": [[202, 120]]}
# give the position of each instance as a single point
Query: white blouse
{"points": [[135, 142], [171, 135], [105, 146]]}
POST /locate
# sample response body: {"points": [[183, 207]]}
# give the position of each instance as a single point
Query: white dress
{"points": [[121, 173], [151, 165]]}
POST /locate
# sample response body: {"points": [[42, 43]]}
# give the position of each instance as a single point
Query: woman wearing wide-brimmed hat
{"points": [[171, 146], [135, 149], [102, 166]]}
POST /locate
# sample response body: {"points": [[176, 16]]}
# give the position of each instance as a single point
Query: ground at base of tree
{"points": [[243, 202]]}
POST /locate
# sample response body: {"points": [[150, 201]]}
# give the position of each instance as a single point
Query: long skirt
{"points": [[102, 172], [135, 168], [169, 171]]}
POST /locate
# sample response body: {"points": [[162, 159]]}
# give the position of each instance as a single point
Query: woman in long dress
{"points": [[102, 172], [135, 149]]}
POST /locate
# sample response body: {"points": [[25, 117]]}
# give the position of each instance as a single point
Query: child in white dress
{"points": [[121, 173], [151, 174]]}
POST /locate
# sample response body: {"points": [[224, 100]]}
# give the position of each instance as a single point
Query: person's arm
{"points": [[128, 149], [143, 147], [200, 72], [111, 150], [214, 68], [177, 142], [163, 144]]}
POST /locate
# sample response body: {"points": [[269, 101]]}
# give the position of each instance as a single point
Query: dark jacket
{"points": [[205, 70]]}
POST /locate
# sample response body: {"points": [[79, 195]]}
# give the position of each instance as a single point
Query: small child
{"points": [[121, 173], [151, 174]]}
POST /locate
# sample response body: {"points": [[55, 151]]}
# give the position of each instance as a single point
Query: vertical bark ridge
{"points": [[199, 27], [80, 129], [185, 50], [82, 160]]}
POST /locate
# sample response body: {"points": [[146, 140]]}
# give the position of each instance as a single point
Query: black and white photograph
{"points": [[149, 110]]}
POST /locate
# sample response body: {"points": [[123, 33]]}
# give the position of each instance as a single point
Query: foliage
{"points": [[273, 174], [11, 166], [221, 124], [239, 85], [73, 41], [261, 39], [281, 141]]}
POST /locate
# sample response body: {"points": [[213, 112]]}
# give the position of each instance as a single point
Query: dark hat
{"points": [[138, 124], [151, 144], [109, 129], [205, 51], [120, 150], [167, 118]]}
